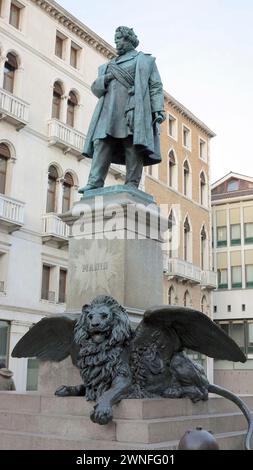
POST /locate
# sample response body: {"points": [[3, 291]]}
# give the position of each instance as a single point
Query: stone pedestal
{"points": [[115, 248]]}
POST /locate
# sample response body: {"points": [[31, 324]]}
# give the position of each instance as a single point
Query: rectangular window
{"points": [[243, 307], [250, 338], [222, 278], [4, 341], [62, 285], [237, 333], [229, 308], [215, 309], [45, 282], [248, 232], [32, 374], [249, 275], [60, 45], [236, 276], [203, 149], [235, 234], [14, 19], [222, 236], [186, 137], [74, 55], [172, 126]]}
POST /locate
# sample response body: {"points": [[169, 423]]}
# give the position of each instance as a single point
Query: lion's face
{"points": [[99, 323]]}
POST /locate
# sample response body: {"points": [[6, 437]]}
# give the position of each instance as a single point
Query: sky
{"points": [[204, 52]]}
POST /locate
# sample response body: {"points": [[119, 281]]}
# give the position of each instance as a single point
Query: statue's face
{"points": [[99, 323], [122, 44]]}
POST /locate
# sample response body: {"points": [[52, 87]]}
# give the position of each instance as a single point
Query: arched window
{"points": [[204, 306], [186, 181], [187, 299], [4, 156], [72, 103], [10, 67], [67, 187], [171, 296], [187, 231], [172, 170], [204, 253], [203, 189], [51, 189], [57, 96]]}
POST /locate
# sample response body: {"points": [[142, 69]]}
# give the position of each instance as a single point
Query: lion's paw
{"points": [[101, 414], [64, 391]]}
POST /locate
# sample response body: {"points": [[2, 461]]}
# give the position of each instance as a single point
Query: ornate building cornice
{"points": [[188, 114], [77, 27], [65, 18]]}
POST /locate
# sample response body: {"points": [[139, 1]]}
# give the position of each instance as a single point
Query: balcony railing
{"points": [[209, 279], [65, 137], [13, 109], [184, 271], [54, 228], [11, 212]]}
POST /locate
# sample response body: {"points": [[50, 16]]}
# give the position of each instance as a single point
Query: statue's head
{"points": [[125, 39], [104, 319]]}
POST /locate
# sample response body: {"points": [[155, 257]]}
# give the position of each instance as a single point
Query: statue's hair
{"points": [[129, 34], [121, 330]]}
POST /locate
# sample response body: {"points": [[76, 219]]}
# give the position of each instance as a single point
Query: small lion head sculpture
{"points": [[104, 320]]}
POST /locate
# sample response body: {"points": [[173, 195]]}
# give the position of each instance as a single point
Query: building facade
{"points": [[181, 185], [232, 208], [45, 108]]}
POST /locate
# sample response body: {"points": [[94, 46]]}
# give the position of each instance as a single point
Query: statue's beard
{"points": [[121, 50]]}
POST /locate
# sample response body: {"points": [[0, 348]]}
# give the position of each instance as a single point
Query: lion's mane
{"points": [[100, 363]]}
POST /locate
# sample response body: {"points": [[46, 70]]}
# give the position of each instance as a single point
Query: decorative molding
{"points": [[51, 62], [65, 18], [188, 114]]}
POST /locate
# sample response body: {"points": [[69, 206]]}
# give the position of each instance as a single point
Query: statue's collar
{"points": [[127, 56]]}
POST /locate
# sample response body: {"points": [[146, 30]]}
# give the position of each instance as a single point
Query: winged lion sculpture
{"points": [[116, 362]]}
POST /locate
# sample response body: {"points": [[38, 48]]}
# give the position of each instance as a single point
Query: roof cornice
{"points": [[188, 114], [231, 175], [58, 13], [53, 9]]}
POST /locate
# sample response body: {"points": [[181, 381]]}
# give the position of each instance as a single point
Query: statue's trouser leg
{"points": [[134, 163], [100, 163]]}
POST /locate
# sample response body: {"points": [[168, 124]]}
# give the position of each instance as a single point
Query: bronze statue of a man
{"points": [[123, 128]]}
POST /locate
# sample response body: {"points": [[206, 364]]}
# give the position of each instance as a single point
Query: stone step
{"points": [[148, 431], [13, 440], [167, 429], [62, 425], [126, 409]]}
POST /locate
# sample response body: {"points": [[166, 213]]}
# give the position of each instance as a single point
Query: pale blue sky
{"points": [[204, 51]]}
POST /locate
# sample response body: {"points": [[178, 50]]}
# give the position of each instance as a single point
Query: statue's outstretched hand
{"points": [[159, 117]]}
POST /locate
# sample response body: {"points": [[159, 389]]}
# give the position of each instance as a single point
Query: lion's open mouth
{"points": [[98, 335]]}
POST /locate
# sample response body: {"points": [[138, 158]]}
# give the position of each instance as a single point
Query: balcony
{"points": [[11, 213], [209, 280], [13, 109], [183, 271], [54, 229], [65, 137]]}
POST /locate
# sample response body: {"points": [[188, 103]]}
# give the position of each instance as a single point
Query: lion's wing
{"points": [[51, 339], [194, 330]]}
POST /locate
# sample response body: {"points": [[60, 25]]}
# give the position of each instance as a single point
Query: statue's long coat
{"points": [[148, 99]]}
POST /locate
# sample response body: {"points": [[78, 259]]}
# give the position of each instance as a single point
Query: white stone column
{"points": [[18, 366], [3, 59], [64, 106], [59, 195]]}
